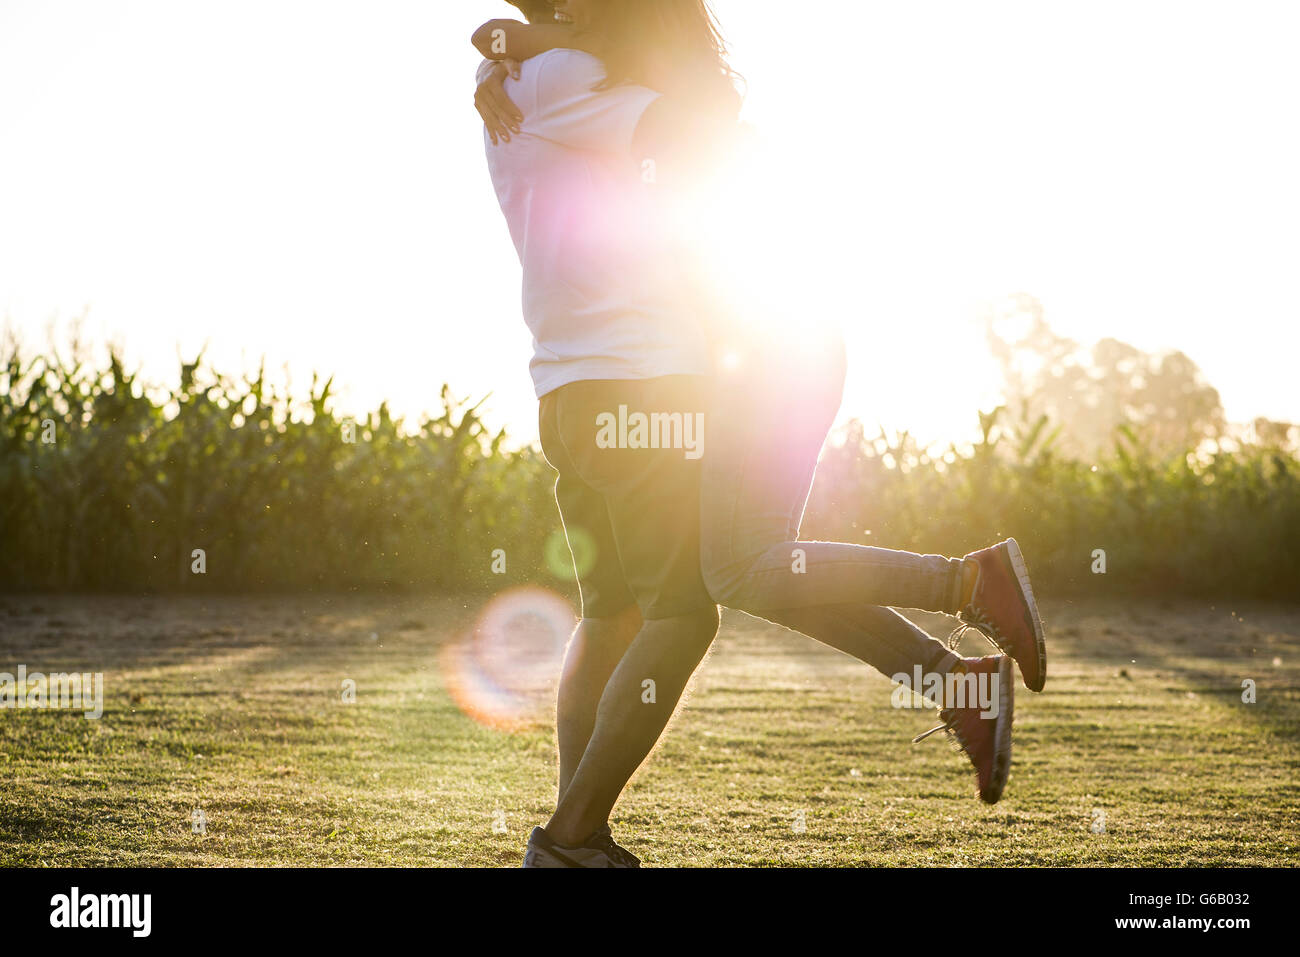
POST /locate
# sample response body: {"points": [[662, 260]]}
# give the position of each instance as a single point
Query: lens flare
{"points": [[503, 674], [570, 551]]}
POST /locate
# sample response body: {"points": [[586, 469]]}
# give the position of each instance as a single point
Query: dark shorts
{"points": [[631, 510]]}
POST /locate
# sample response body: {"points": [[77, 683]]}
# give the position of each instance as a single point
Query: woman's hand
{"points": [[500, 115]]}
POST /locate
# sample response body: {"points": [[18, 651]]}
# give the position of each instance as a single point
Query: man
{"points": [[612, 339]]}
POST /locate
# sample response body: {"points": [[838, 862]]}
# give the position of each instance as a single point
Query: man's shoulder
{"points": [[563, 69], [564, 59]]}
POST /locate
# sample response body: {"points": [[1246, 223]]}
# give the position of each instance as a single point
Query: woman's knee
{"points": [[722, 581]]}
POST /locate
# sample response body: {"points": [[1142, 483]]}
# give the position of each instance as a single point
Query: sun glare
{"points": [[746, 230]]}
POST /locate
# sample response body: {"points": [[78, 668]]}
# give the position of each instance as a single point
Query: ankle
{"points": [[562, 837], [950, 663], [969, 576]]}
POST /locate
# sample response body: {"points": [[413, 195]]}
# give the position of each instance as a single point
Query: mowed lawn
{"points": [[785, 753]]}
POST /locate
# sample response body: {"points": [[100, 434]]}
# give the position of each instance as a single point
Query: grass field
{"points": [[785, 753]]}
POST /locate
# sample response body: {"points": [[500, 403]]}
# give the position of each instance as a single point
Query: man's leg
{"points": [[631, 717], [597, 646], [651, 498], [610, 617]]}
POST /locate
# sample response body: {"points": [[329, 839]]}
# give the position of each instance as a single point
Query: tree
{"points": [[1091, 393]]}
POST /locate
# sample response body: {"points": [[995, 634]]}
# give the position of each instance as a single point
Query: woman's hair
{"points": [[673, 46], [535, 11]]}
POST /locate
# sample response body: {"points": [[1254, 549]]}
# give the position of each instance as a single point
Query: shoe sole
{"points": [[1027, 593], [1002, 734]]}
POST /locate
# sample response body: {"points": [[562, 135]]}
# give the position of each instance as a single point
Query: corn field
{"points": [[109, 484], [104, 485]]}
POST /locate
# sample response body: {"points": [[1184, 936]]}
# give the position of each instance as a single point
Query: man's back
{"points": [[602, 293]]}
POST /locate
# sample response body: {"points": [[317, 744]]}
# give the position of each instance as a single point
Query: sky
{"points": [[304, 180]]}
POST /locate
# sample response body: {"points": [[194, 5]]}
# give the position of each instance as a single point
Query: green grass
{"points": [[232, 705]]}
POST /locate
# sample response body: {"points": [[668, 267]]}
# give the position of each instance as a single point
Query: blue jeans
{"points": [[769, 419]]}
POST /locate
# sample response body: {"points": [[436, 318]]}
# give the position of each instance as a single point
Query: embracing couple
{"points": [[599, 116]]}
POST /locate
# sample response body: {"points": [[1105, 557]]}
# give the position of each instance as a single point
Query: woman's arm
{"points": [[510, 39], [500, 115]]}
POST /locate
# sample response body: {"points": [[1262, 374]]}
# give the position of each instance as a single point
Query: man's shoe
{"points": [[599, 850], [985, 740], [1002, 607], [604, 839]]}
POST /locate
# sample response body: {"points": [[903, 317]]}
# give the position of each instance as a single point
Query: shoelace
{"points": [[616, 851], [954, 732], [942, 727], [978, 624], [950, 724]]}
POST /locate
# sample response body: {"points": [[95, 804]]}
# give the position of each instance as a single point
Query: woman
{"points": [[775, 399]]}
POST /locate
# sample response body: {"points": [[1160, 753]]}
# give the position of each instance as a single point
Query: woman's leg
{"points": [[879, 637], [767, 427], [763, 451]]}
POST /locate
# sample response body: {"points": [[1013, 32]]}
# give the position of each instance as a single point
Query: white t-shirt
{"points": [[602, 294]]}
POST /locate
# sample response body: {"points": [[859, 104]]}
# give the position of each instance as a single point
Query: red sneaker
{"points": [[1003, 609], [983, 737]]}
